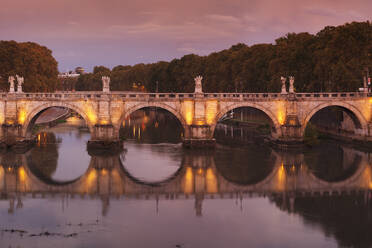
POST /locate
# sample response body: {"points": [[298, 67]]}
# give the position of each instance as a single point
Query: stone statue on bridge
{"points": [[11, 82], [20, 81], [291, 83], [198, 84], [106, 84], [284, 89]]}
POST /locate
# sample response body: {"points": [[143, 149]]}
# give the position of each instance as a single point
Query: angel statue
{"points": [[11, 82], [198, 84], [291, 83], [20, 81], [105, 84], [284, 90]]}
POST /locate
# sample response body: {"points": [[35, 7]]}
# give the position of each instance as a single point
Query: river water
{"points": [[157, 194]]}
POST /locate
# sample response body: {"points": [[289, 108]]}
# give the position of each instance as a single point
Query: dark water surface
{"points": [[161, 195]]}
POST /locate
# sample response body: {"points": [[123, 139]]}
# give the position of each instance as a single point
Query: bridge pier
{"points": [[292, 136], [199, 136], [12, 137], [103, 136]]}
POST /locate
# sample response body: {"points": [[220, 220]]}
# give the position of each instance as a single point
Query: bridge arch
{"points": [[139, 106], [30, 118], [265, 110], [353, 110]]}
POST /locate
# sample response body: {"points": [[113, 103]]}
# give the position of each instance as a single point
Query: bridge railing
{"points": [[158, 96], [332, 95]]}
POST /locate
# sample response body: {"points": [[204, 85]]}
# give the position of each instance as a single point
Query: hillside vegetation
{"points": [[331, 60]]}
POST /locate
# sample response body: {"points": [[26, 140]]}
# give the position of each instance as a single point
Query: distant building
{"points": [[68, 79], [72, 74], [69, 74], [79, 70]]}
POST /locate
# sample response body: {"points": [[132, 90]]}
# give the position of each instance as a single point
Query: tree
{"points": [[30, 60]]}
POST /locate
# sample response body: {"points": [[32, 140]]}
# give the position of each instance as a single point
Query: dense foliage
{"points": [[30, 60], [331, 60]]}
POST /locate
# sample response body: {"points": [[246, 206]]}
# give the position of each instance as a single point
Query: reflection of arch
{"points": [[38, 177], [36, 111], [157, 183], [355, 176], [250, 187], [136, 107], [347, 106], [266, 111]]}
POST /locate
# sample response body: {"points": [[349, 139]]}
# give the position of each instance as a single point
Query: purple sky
{"points": [[112, 32]]}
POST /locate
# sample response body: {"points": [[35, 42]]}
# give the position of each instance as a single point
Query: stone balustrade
{"points": [[141, 95]]}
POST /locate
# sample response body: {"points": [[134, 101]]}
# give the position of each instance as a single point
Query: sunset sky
{"points": [[112, 32]]}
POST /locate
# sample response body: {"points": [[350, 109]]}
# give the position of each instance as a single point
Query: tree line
{"points": [[334, 59], [30, 60]]}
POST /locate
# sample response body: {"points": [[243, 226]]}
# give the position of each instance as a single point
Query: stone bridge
{"points": [[198, 178], [198, 112]]}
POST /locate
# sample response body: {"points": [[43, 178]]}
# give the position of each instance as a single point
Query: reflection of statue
{"points": [[291, 82], [20, 81], [198, 84], [284, 90], [105, 84], [11, 82]]}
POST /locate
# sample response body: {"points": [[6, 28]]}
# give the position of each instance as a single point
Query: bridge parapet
{"points": [[155, 96], [95, 95]]}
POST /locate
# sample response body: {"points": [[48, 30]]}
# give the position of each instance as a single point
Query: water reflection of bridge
{"points": [[198, 178]]}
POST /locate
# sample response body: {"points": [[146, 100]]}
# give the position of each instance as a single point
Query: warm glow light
{"points": [[281, 112], [200, 122], [91, 177], [188, 181], [21, 116], [103, 122], [145, 119], [281, 118], [211, 109], [103, 172], [92, 117], [2, 175], [90, 181], [22, 174], [2, 118], [366, 109], [366, 178], [281, 178], [212, 185], [188, 110], [73, 119]]}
